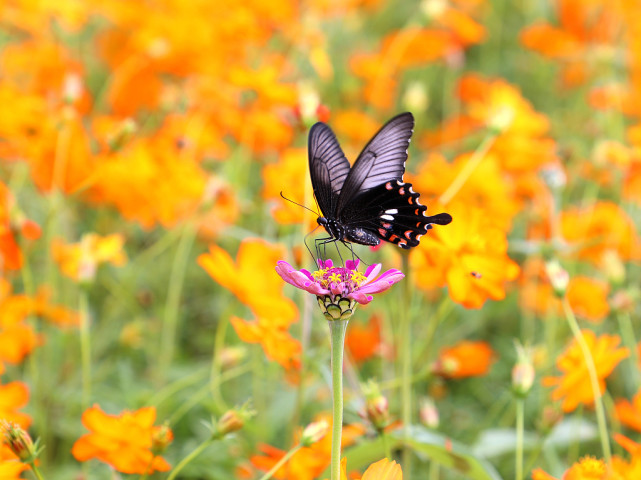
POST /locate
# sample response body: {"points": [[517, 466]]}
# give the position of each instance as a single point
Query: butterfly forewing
{"points": [[328, 167], [382, 159]]}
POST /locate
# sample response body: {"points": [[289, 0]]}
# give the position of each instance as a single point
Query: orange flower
{"points": [[470, 258], [521, 145], [381, 470], [123, 441], [255, 258], [574, 387], [80, 261], [465, 359], [364, 341], [584, 29], [308, 462], [276, 341], [588, 468], [588, 298], [14, 396], [13, 221], [598, 228], [10, 466], [150, 182], [487, 187], [629, 413]]}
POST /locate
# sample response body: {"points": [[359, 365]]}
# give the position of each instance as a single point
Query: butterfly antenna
{"points": [[296, 203]]}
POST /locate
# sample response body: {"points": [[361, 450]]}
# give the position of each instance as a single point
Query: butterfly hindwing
{"points": [[328, 167], [382, 159], [391, 212]]}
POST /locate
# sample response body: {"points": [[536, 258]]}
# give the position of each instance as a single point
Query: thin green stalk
{"points": [[85, 346], [281, 462], [386, 447], [465, 173], [630, 341], [405, 343], [216, 364], [594, 381], [185, 461], [35, 471], [519, 437], [337, 330], [433, 472], [172, 307]]}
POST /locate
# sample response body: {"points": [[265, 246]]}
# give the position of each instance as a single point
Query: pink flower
{"points": [[339, 288]]}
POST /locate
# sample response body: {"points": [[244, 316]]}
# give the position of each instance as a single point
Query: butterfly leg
{"points": [[322, 242], [354, 254]]}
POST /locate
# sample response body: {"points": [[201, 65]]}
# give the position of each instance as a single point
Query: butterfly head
{"points": [[322, 221]]}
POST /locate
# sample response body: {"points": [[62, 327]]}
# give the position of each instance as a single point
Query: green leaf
{"points": [[426, 444], [450, 454]]}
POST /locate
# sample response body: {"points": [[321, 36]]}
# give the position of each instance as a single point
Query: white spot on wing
{"points": [[392, 211], [387, 217]]}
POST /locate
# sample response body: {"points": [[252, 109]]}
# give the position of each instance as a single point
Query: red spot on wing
{"points": [[401, 190], [388, 185], [382, 231], [408, 234]]}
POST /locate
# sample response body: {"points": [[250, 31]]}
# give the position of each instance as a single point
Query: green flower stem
{"points": [[337, 330], [386, 447], [630, 341], [85, 346], [197, 451], [35, 471], [405, 345], [468, 169], [594, 381], [172, 306], [519, 437], [281, 462]]}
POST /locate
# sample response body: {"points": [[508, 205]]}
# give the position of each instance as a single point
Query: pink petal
{"points": [[360, 297], [352, 264], [371, 272], [299, 279]]}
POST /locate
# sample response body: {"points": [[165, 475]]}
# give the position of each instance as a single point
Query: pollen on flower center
{"points": [[349, 278]]}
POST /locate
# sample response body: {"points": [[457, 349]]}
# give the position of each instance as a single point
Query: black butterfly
{"points": [[368, 202]]}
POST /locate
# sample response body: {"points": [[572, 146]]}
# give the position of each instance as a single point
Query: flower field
{"points": [[166, 314]]}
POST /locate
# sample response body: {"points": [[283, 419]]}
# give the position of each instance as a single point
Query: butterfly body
{"points": [[368, 202]]}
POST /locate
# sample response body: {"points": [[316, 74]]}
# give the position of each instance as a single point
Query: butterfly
{"points": [[368, 202]]}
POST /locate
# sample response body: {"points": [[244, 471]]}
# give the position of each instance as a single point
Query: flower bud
{"points": [[523, 373], [416, 98], [161, 437], [613, 267], [559, 277], [549, 418], [230, 422], [428, 413], [233, 420], [376, 406], [314, 432], [18, 441]]}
